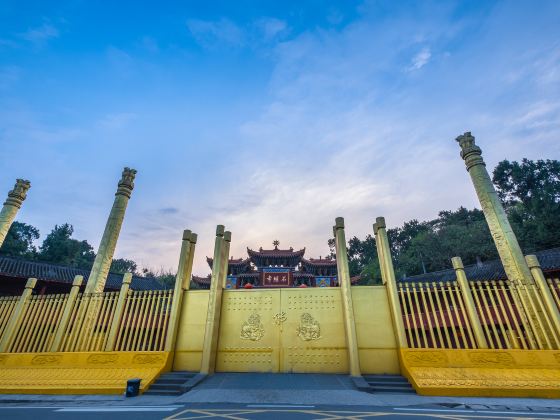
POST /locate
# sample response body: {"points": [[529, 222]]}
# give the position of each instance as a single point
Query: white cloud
{"points": [[420, 59], [41, 34], [213, 33], [271, 27]]}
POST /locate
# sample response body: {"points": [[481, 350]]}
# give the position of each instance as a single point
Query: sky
{"points": [[271, 118]]}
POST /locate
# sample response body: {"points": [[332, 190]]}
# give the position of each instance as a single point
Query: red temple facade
{"points": [[272, 268]]}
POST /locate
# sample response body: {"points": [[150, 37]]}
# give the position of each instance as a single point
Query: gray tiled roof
{"points": [[20, 268], [489, 270]]}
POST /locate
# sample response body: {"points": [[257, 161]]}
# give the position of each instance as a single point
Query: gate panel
{"points": [[249, 341], [312, 331]]}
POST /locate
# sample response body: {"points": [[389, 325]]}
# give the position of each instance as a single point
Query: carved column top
{"points": [[379, 224], [470, 152], [18, 194], [126, 184]]}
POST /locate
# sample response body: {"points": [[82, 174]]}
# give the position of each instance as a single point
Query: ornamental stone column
{"points": [[510, 253], [515, 266], [102, 263], [389, 280], [210, 343], [11, 206], [343, 272]]}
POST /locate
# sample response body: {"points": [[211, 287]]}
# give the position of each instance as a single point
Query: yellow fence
{"points": [[434, 316], [40, 318], [510, 316], [7, 305], [138, 324], [554, 285]]}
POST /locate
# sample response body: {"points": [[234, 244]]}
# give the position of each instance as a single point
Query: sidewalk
{"points": [[294, 389]]}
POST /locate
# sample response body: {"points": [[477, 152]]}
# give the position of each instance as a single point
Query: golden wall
{"points": [[192, 324], [289, 330], [377, 346]]}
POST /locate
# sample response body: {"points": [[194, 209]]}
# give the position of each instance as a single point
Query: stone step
{"points": [[177, 375], [394, 384], [386, 378], [172, 381], [167, 393], [393, 389], [164, 387]]}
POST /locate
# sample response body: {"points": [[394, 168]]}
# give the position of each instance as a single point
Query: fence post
{"points": [[346, 296], [540, 281], [65, 320], [469, 302], [182, 283], [209, 348], [388, 276], [117, 316], [15, 318]]}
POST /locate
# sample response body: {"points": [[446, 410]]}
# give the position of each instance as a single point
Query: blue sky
{"points": [[272, 118]]}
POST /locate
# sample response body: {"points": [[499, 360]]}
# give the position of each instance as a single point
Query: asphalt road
{"points": [[255, 411]]}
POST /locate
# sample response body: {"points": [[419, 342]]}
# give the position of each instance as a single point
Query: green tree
{"points": [[421, 247], [19, 241], [164, 276], [530, 191], [59, 248], [122, 265], [362, 259]]}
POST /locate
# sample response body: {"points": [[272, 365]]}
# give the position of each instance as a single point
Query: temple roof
{"points": [[20, 268], [231, 262], [276, 253], [319, 262], [202, 280]]}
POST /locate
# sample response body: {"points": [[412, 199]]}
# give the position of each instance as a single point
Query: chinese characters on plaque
{"points": [[276, 279]]}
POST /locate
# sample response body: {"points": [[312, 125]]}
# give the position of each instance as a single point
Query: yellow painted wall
{"points": [[376, 338], [284, 350], [192, 324]]}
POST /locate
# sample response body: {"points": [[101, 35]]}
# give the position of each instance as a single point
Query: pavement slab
{"points": [[291, 389]]}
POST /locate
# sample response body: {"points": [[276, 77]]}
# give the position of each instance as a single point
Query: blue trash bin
{"points": [[133, 387]]}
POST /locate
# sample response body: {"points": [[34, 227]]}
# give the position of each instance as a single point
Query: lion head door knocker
{"points": [[309, 328], [252, 329]]}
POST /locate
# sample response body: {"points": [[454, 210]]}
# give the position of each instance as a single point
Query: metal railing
{"points": [[434, 316], [511, 316], [139, 324]]}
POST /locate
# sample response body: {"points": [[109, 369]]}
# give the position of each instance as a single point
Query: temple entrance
{"points": [[282, 330]]}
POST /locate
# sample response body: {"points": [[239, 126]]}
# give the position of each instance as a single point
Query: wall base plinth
{"points": [[78, 373], [483, 373]]}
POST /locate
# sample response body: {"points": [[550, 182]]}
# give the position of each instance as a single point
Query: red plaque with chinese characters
{"points": [[276, 279]]}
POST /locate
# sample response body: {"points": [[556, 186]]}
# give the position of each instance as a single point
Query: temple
{"points": [[276, 268]]}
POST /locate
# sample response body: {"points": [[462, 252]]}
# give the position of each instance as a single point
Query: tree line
{"points": [[530, 193], [529, 190], [59, 247]]}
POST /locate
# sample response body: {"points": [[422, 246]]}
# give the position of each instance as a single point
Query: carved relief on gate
{"points": [[252, 329], [309, 328]]}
